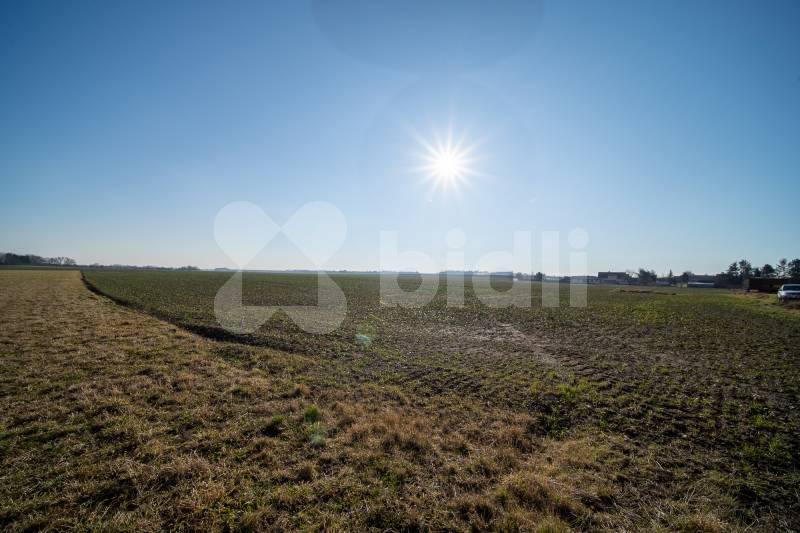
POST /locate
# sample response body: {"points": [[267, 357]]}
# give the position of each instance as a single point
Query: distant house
{"points": [[614, 278], [700, 281]]}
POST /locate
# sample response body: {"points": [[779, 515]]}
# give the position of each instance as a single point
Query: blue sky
{"points": [[668, 131]]}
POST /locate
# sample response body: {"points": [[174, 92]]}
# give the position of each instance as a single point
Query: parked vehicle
{"points": [[788, 292]]}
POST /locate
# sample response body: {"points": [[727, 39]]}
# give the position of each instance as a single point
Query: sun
{"points": [[446, 163]]}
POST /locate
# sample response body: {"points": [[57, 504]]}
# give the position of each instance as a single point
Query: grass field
{"points": [[668, 409]]}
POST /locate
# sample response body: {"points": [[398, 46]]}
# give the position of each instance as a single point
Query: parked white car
{"points": [[789, 292]]}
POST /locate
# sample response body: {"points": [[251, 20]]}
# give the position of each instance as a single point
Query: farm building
{"points": [[700, 281], [614, 278], [581, 279], [766, 284], [700, 284]]}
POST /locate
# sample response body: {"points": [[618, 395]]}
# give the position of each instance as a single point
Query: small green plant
{"points": [[312, 414], [316, 435], [574, 391], [761, 422]]}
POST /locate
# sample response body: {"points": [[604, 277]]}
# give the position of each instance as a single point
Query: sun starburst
{"points": [[447, 163]]}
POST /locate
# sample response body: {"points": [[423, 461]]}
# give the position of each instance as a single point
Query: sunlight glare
{"points": [[447, 164]]}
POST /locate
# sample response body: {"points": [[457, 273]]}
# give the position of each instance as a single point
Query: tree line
{"points": [[31, 259], [736, 272], [743, 269], [11, 259], [733, 276]]}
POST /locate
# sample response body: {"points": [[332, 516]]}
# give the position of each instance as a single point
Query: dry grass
{"points": [[111, 419]]}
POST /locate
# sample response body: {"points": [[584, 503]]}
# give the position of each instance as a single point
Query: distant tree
{"points": [[671, 277], [768, 271], [794, 268], [745, 268], [757, 272], [687, 276], [31, 259], [16, 259], [733, 273], [782, 268], [538, 276], [646, 277]]}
